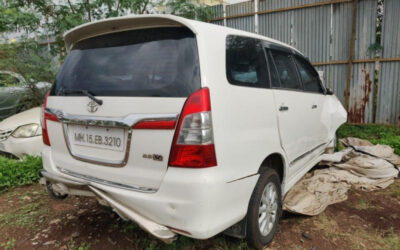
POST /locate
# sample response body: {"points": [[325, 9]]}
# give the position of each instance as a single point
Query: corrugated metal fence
{"points": [[338, 36]]}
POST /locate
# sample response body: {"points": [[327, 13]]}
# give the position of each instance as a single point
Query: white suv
{"points": [[185, 127]]}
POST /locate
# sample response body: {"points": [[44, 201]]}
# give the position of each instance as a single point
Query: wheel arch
{"points": [[275, 161]]}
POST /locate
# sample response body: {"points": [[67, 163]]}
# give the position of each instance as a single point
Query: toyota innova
{"points": [[185, 127]]}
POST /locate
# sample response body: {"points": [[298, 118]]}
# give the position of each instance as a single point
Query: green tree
{"points": [[54, 18], [33, 62]]}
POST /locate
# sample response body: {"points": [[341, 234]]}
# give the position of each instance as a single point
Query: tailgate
{"points": [[108, 148]]}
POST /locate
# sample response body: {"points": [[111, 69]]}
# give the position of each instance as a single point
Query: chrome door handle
{"points": [[314, 106], [283, 108]]}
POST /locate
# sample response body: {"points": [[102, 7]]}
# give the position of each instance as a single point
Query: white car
{"points": [[185, 127], [21, 134]]}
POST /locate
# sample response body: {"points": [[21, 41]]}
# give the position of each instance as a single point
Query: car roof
{"points": [[129, 22]]}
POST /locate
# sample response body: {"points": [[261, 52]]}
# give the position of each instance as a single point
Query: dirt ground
{"points": [[29, 219]]}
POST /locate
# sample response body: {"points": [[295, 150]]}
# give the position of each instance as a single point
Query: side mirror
{"points": [[329, 91]]}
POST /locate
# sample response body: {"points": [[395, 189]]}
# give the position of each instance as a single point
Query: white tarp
{"points": [[362, 166]]}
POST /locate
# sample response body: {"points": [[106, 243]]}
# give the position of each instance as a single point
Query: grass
{"points": [[363, 205], [395, 190], [18, 172], [71, 245], [377, 134], [373, 239], [24, 217], [10, 244]]}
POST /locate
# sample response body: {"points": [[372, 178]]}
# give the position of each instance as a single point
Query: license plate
{"points": [[98, 137]]}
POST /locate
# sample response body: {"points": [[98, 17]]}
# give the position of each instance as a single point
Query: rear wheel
{"points": [[264, 210], [53, 194]]}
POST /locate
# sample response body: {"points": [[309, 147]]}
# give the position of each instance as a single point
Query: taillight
{"points": [[46, 116], [193, 144]]}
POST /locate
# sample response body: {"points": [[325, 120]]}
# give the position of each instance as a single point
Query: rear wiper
{"points": [[81, 91]]}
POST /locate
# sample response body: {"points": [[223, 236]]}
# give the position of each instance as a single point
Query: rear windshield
{"points": [[159, 62]]}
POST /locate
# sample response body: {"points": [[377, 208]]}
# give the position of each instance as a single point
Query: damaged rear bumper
{"points": [[66, 186]]}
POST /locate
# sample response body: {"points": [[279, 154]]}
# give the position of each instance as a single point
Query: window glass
{"points": [[8, 80], [156, 62], [309, 76], [245, 62], [286, 69]]}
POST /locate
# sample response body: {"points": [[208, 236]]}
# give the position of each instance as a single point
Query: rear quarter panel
{"points": [[333, 115], [244, 119]]}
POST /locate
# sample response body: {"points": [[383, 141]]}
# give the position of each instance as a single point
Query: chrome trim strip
{"points": [[126, 122], [307, 153], [123, 122], [105, 182]]}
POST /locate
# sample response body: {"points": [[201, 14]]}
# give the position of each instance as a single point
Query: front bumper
{"points": [[193, 202], [20, 147]]}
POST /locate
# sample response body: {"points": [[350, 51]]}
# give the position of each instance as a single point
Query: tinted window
{"points": [[245, 62], [8, 80], [286, 69], [149, 62], [308, 75]]}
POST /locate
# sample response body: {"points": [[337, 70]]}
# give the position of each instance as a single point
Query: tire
{"points": [[54, 195], [267, 184]]}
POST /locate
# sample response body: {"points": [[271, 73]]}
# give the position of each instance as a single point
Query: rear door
{"points": [[143, 78], [292, 104], [315, 93]]}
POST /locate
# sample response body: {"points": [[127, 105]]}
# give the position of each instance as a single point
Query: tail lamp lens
{"points": [[193, 144]]}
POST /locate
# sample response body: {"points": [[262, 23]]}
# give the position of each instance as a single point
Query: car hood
{"points": [[26, 117]]}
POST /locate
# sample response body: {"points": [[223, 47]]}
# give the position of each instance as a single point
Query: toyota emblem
{"points": [[92, 106]]}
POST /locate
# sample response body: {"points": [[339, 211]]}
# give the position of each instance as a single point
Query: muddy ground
{"points": [[29, 219]]}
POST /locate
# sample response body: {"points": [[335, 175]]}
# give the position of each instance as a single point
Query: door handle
{"points": [[283, 108], [314, 106]]}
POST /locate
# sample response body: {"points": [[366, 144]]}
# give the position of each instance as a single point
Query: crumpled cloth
{"points": [[362, 166]]}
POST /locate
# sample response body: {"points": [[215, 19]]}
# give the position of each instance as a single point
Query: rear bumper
{"points": [[155, 229], [193, 202]]}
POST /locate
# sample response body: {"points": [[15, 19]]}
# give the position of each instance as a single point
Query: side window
{"points": [[309, 76], [286, 70], [7, 80], [245, 62]]}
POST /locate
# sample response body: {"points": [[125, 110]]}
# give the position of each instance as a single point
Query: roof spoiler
{"points": [[118, 24]]}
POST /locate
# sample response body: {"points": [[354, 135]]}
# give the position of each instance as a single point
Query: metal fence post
{"points": [[256, 16], [351, 56], [224, 12]]}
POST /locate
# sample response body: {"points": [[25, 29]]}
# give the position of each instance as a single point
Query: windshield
{"points": [[148, 62]]}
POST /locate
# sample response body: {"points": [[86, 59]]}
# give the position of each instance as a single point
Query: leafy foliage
{"points": [[377, 134], [14, 17], [47, 21], [18, 172], [31, 61], [54, 18]]}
